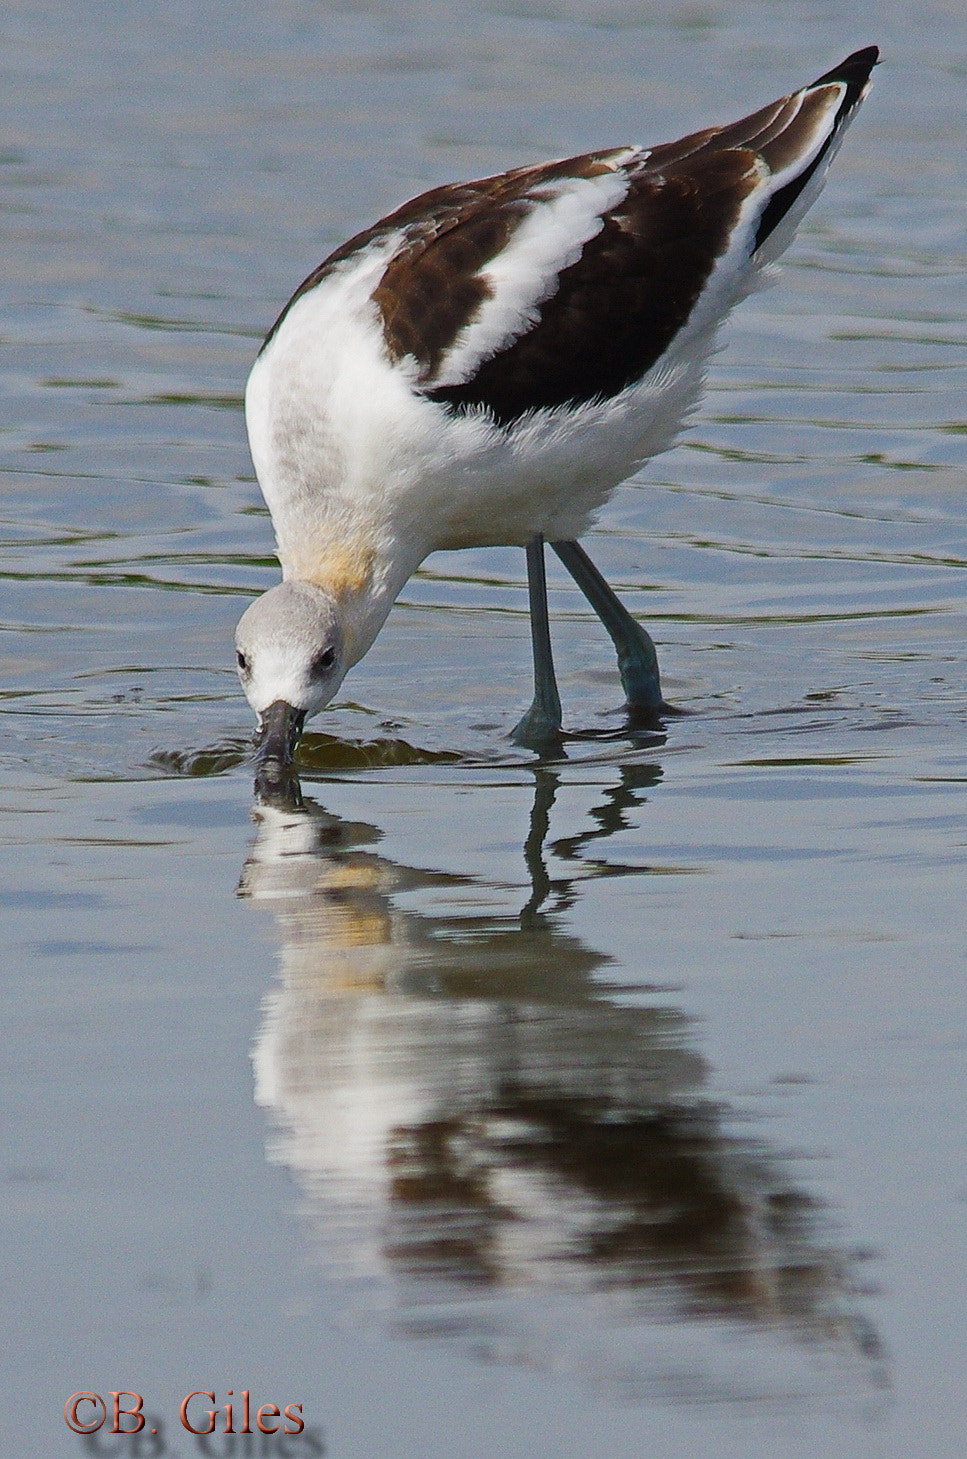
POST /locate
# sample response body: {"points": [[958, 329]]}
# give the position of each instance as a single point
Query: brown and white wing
{"points": [[564, 283]]}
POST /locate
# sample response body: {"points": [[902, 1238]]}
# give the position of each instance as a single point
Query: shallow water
{"points": [[611, 1105]]}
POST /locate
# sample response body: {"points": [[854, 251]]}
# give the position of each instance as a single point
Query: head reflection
{"points": [[472, 1109]]}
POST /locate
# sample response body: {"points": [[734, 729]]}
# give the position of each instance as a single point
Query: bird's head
{"points": [[291, 660]]}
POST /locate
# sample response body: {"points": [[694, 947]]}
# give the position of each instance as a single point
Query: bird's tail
{"points": [[797, 138]]}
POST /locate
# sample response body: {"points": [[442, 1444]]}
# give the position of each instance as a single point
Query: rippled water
{"points": [[484, 1106]]}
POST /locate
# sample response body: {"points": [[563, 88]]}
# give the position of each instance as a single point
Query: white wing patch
{"points": [[566, 214]]}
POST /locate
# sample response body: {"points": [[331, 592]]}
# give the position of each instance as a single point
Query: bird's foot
{"points": [[540, 729], [650, 716]]}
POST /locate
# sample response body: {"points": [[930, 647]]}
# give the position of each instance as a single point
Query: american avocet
{"points": [[484, 366]]}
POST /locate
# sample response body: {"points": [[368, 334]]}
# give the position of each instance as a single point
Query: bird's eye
{"points": [[242, 662], [322, 663]]}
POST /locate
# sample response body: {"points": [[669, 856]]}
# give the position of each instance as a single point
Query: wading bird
{"points": [[486, 364]]}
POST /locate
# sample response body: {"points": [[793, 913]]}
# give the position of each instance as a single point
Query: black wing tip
{"points": [[854, 72]]}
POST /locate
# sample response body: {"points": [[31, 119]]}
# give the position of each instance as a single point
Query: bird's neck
{"points": [[362, 571]]}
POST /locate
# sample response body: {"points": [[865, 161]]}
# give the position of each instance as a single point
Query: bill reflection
{"points": [[516, 1148]]}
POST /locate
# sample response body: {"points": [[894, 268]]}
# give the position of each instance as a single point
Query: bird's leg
{"points": [[542, 722], [637, 659]]}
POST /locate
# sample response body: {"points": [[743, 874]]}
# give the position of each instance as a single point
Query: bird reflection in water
{"points": [[524, 1150]]}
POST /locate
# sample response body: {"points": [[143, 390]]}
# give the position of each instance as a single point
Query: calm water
{"points": [[608, 1107]]}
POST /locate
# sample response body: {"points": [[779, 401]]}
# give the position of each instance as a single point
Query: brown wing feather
{"points": [[619, 306], [429, 291]]}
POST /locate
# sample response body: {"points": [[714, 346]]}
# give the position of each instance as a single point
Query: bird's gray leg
{"points": [[637, 659], [542, 722]]}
